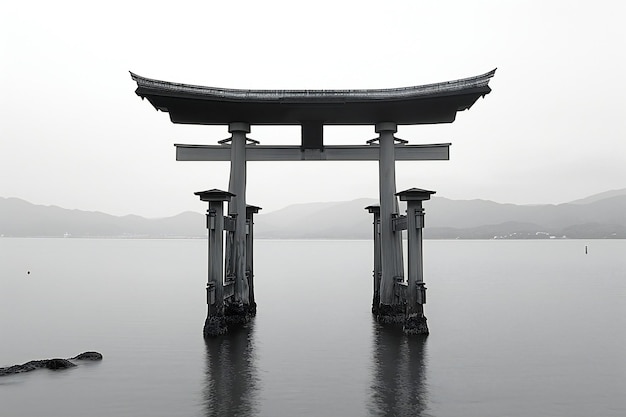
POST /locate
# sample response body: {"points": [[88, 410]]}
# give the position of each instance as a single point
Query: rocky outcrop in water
{"points": [[87, 356], [54, 364]]}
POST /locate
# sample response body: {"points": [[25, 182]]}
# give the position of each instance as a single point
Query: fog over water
{"points": [[519, 328]]}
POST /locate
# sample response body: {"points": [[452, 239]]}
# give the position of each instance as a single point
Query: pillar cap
{"points": [[252, 209], [214, 195], [386, 127], [239, 127], [374, 208], [413, 194]]}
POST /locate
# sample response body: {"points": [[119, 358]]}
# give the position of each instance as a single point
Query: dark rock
{"points": [[415, 325], [214, 326], [17, 369], [252, 309], [235, 314], [54, 364], [391, 314], [58, 364], [238, 313], [88, 356]]}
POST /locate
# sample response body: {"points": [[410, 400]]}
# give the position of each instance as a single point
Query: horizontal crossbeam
{"points": [[433, 152]]}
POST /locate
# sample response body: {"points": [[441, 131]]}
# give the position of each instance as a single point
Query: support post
{"points": [[415, 322], [250, 211], [215, 323], [237, 308], [391, 241], [375, 210]]}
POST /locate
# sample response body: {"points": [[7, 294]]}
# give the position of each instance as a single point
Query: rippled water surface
{"points": [[518, 328]]}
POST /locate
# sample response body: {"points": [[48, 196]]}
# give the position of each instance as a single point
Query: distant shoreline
{"points": [[601, 216]]}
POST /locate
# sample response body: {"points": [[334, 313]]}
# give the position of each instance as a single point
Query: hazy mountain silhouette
{"points": [[21, 218], [600, 196], [338, 220], [451, 219], [599, 216]]}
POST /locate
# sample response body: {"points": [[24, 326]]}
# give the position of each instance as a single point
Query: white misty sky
{"points": [[74, 134]]}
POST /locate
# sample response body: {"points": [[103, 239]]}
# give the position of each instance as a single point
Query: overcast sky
{"points": [[74, 134]]}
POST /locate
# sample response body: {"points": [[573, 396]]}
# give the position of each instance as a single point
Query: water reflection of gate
{"points": [[399, 386], [231, 380]]}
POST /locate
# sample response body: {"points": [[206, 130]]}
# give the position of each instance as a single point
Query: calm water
{"points": [[518, 328]]}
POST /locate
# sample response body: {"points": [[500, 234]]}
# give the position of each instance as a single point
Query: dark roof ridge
{"points": [[433, 89]]}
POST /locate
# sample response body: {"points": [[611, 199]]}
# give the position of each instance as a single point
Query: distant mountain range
{"points": [[600, 216]]}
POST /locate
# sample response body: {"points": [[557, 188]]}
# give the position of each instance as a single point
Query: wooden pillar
{"points": [[215, 323], [415, 220], [390, 241], [237, 209], [250, 211], [415, 322], [375, 210]]}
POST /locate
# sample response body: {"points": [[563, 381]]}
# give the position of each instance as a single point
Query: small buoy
{"points": [[28, 272], [585, 249]]}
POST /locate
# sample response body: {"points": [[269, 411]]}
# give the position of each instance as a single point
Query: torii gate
{"points": [[395, 299]]}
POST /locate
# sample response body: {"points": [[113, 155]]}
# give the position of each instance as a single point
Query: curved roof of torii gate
{"points": [[424, 104]]}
